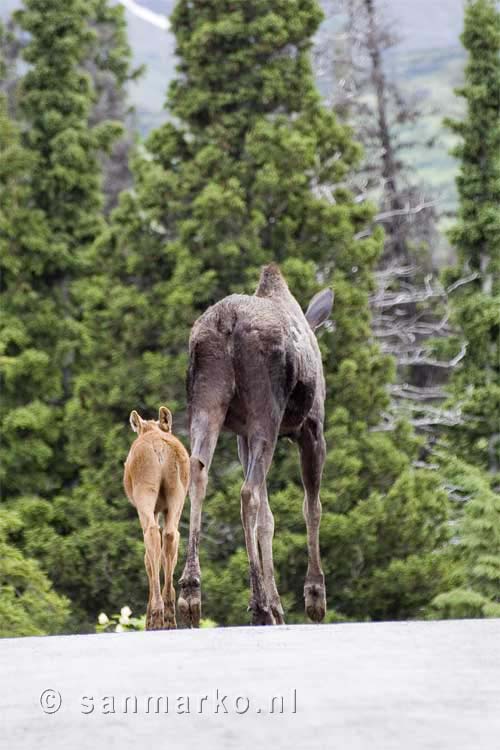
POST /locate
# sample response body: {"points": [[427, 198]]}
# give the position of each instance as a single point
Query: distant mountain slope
{"points": [[429, 60], [159, 20], [422, 24]]}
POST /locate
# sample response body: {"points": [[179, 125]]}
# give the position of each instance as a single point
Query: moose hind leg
{"points": [[312, 458], [189, 602], [265, 533], [260, 453], [205, 431]]}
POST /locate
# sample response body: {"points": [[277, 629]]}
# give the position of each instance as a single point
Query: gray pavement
{"points": [[384, 686]]}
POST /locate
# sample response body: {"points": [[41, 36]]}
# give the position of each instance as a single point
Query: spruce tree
{"points": [[476, 552], [108, 60], [252, 169], [28, 604], [476, 237], [473, 470], [51, 182], [10, 46], [28, 336], [110, 66]]}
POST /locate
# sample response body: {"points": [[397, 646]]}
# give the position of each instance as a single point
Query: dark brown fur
{"points": [[255, 370]]}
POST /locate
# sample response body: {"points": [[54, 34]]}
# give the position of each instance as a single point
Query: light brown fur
{"points": [[156, 479]]}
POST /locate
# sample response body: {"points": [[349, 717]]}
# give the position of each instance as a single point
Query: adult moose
{"points": [[255, 369]]}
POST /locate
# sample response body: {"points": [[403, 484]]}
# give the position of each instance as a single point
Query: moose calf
{"points": [[156, 480]]}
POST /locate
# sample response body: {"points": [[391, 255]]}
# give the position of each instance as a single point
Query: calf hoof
{"points": [[169, 616], [170, 623], [315, 601], [155, 619], [189, 602]]}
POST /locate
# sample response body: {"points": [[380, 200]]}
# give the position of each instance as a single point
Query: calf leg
{"points": [[148, 571], [312, 458], [170, 550], [145, 503], [171, 536]]}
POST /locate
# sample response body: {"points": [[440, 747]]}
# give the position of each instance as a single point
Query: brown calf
{"points": [[156, 480]]}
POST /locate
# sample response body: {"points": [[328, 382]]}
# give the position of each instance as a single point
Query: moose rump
{"points": [[246, 374]]}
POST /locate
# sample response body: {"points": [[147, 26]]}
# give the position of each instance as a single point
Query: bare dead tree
{"points": [[409, 320], [384, 119], [410, 306]]}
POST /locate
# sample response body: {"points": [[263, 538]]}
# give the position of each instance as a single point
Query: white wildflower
{"points": [[125, 613]]}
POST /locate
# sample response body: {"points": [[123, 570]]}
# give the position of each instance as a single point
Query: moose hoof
{"points": [[154, 620], [315, 601], [278, 614], [189, 602], [261, 615]]}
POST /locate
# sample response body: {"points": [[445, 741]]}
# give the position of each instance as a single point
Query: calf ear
{"points": [[135, 421], [319, 308], [165, 419]]}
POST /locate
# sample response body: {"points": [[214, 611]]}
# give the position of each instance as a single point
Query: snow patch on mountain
{"points": [[155, 19]]}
